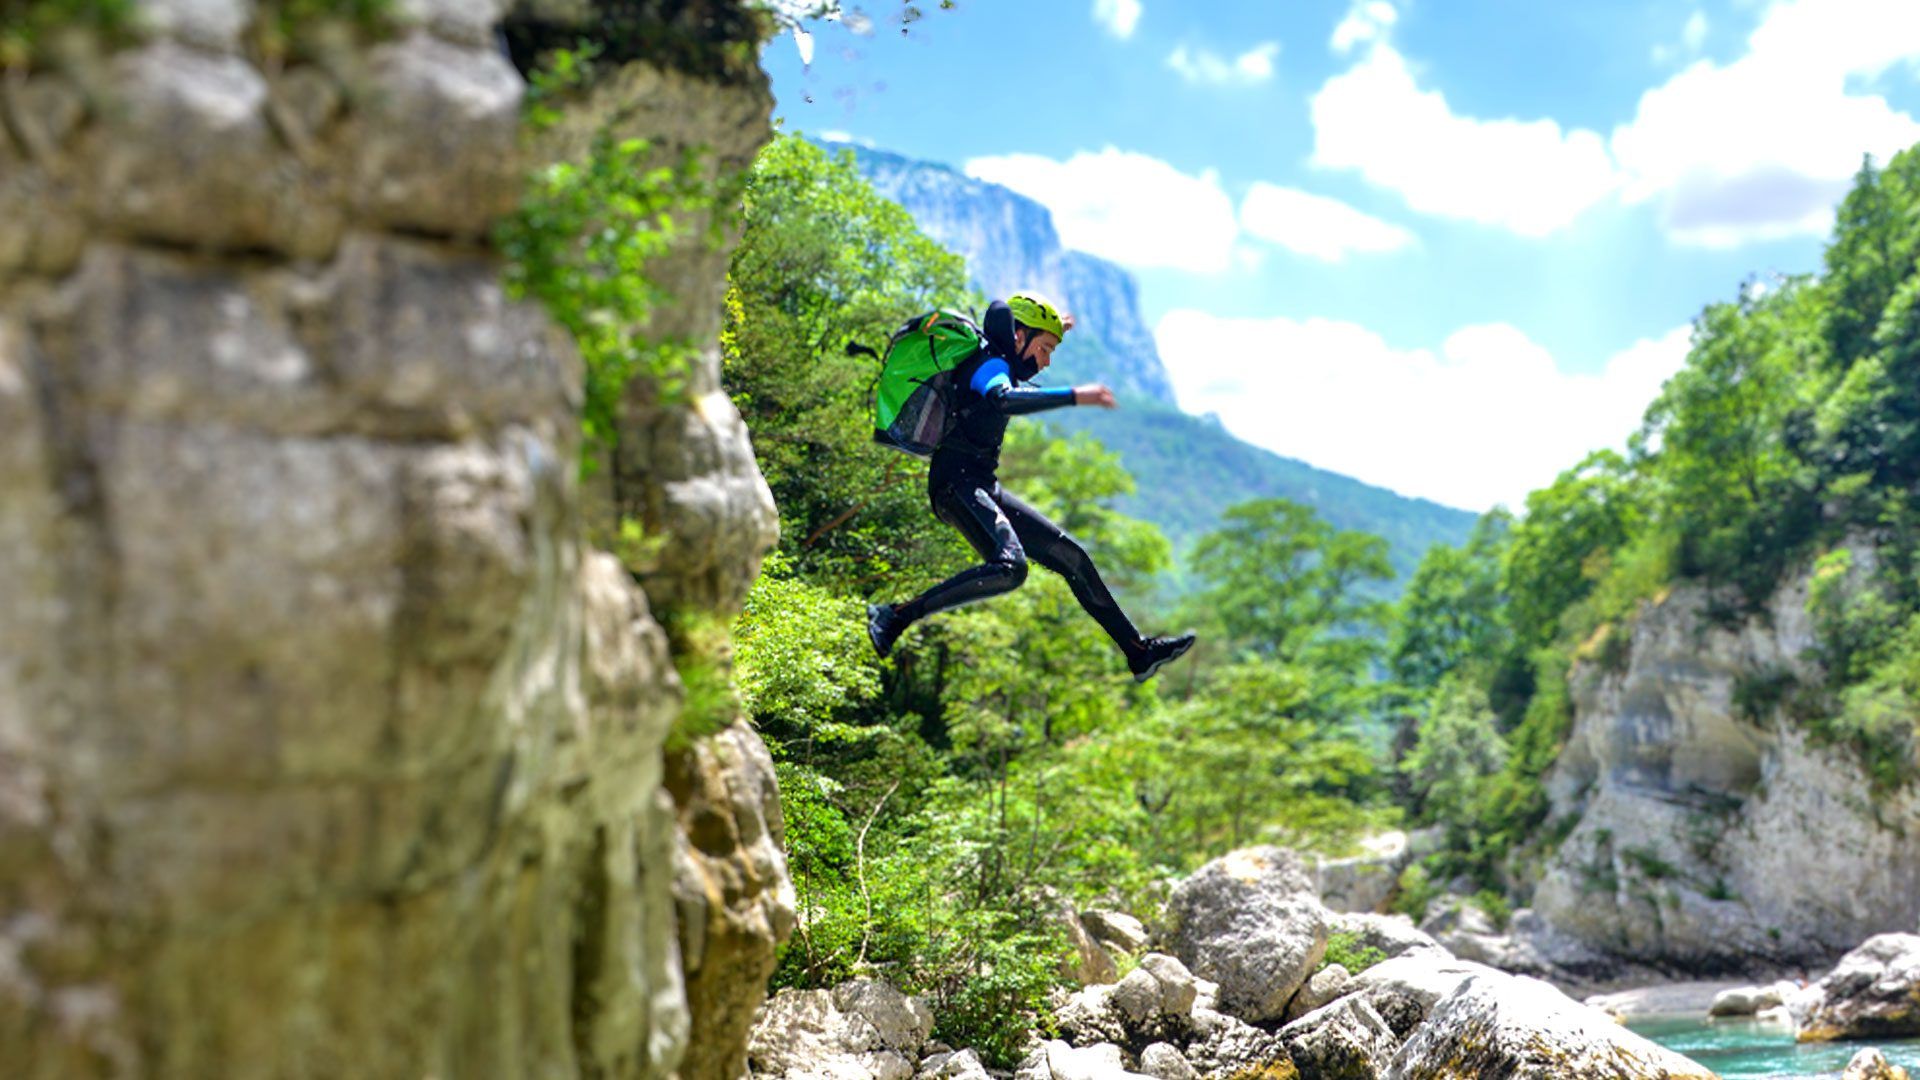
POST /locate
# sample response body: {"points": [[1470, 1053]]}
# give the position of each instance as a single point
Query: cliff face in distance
{"points": [[328, 745], [1711, 835]]}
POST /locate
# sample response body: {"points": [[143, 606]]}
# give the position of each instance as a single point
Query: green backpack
{"points": [[913, 405]]}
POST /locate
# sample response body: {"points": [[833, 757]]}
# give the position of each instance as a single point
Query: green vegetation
{"points": [[944, 806], [1345, 949], [1790, 440]]}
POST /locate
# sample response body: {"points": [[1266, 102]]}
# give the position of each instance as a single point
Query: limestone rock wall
{"points": [[1706, 839], [327, 747]]}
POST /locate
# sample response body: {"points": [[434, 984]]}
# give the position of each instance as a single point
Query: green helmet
{"points": [[1033, 310]]}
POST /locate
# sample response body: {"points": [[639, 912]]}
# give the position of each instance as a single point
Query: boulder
{"points": [[1225, 1046], [1250, 921], [1366, 881], [1161, 1060], [1871, 1064], [952, 1065], [1511, 1026], [1347, 1040], [1326, 986], [1392, 935], [1116, 930], [1090, 964], [1178, 991], [1874, 993], [799, 1033], [904, 1023], [1749, 1000], [1404, 990], [1154, 1001], [1137, 997], [1089, 1016], [1102, 1061]]}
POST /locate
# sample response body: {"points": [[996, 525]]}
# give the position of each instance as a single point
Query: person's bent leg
{"points": [[970, 509], [1051, 546]]}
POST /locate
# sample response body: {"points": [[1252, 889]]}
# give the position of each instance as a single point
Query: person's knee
{"points": [[1012, 572]]}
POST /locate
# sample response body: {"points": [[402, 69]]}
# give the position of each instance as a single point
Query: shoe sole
{"points": [[873, 634], [1162, 662]]}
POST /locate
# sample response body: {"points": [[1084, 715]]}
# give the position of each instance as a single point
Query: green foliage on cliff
{"points": [[580, 244]]}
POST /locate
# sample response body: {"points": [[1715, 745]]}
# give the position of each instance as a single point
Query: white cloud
{"points": [[1764, 146], [1208, 68], [1483, 420], [1369, 20], [1315, 225], [1119, 17], [1136, 210], [838, 136], [1528, 176]]}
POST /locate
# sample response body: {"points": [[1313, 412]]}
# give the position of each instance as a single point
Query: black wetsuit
{"points": [[965, 493]]}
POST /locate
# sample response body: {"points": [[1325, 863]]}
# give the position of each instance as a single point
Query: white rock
{"points": [[1137, 996], [1874, 993], [1102, 1061], [1327, 985], [904, 1023], [1348, 1038], [1161, 1060], [1511, 1026], [1177, 985], [953, 1065], [1116, 930], [1405, 989], [1251, 922], [1871, 1064]]}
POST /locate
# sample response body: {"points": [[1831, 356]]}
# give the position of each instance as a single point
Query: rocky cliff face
{"points": [[327, 746], [1009, 243], [1708, 839]]}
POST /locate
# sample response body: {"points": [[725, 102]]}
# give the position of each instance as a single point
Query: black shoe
{"points": [[882, 628], [1155, 651]]}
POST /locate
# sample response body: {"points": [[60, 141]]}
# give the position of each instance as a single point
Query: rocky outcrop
{"points": [[1708, 831], [864, 1030], [1749, 1000], [327, 746], [1423, 1013], [1364, 882], [1873, 993], [1250, 922], [1511, 1026], [1345, 1040], [1871, 1064]]}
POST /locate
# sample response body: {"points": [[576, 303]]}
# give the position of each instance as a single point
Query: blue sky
{"points": [[1446, 246]]}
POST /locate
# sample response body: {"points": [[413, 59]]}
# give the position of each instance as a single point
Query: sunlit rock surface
{"points": [[1708, 832], [327, 745]]}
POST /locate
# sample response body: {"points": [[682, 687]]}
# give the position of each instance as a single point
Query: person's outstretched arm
{"points": [[993, 381]]}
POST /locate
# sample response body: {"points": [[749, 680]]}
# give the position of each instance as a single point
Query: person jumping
{"points": [[1021, 333]]}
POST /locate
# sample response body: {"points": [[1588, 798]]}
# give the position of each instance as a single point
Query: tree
{"points": [[1453, 612], [1285, 585], [1550, 563], [824, 261]]}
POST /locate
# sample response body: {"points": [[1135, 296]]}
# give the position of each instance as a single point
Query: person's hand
{"points": [[1094, 394]]}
